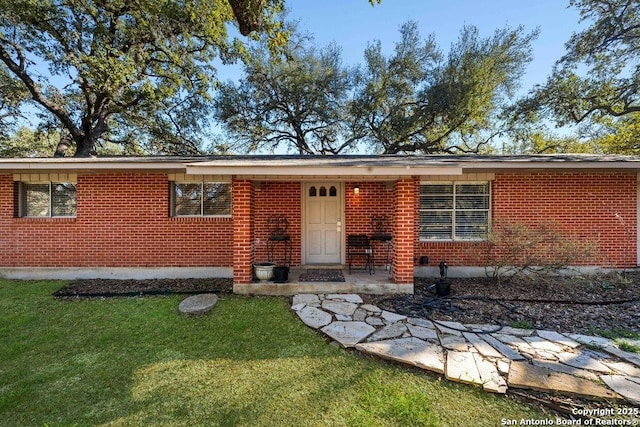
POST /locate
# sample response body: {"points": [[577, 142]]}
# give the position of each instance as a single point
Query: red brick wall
{"points": [[277, 198], [122, 221], [374, 199], [595, 207], [243, 232], [404, 230]]}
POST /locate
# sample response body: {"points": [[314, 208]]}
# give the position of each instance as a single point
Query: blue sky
{"points": [[354, 23]]}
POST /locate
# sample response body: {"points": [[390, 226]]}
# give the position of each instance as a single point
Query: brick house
{"points": [[208, 216]]}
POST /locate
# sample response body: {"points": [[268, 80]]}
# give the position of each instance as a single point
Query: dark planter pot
{"points": [[443, 288], [281, 274]]}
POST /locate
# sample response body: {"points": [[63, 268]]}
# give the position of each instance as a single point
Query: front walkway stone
{"points": [[461, 367], [558, 338], [314, 317], [482, 346], [354, 298], [198, 304], [393, 330], [490, 356], [566, 369], [527, 376], [412, 351], [348, 334], [339, 307], [583, 361], [629, 357], [306, 299], [507, 351], [492, 381], [392, 317], [422, 332], [621, 385]]}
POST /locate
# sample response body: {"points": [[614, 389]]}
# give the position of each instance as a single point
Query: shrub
{"points": [[515, 248]]}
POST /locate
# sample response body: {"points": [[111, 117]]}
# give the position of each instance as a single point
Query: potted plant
{"points": [[264, 270]]}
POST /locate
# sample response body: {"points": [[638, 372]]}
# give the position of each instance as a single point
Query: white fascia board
{"points": [[48, 165], [328, 171], [525, 165]]}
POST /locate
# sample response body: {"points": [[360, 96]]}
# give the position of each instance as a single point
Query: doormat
{"points": [[322, 275]]}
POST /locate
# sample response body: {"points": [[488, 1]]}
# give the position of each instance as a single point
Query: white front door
{"points": [[323, 222]]}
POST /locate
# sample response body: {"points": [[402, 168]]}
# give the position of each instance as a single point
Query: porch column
{"points": [[242, 231], [404, 232]]}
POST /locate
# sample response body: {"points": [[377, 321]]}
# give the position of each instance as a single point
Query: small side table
{"points": [[384, 238]]}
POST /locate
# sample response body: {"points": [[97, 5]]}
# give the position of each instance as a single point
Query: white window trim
{"points": [[202, 183], [453, 210], [21, 195]]}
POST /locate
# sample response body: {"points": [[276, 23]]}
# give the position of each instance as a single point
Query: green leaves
{"points": [[114, 71]]}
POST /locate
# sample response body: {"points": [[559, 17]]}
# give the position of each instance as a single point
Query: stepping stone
{"points": [[540, 343], [298, 307], [339, 307], [461, 367], [492, 381], [198, 304], [454, 342], [314, 317], [621, 385], [623, 368], [392, 317], [527, 376], [507, 351], [591, 340], [583, 361], [508, 330], [482, 346], [307, 299], [343, 318], [348, 334], [411, 351], [393, 330], [354, 298], [559, 367], [629, 357], [374, 321], [424, 323], [371, 308], [558, 338], [451, 328], [422, 333], [359, 315]]}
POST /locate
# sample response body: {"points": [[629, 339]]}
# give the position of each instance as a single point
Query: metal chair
{"points": [[358, 246]]}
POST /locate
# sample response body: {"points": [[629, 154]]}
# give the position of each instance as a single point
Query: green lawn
{"points": [[137, 361]]}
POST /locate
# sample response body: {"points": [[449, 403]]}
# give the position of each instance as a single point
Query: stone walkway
{"points": [[485, 355]]}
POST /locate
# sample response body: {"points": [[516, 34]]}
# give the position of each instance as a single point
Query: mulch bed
{"points": [[97, 288], [577, 304]]}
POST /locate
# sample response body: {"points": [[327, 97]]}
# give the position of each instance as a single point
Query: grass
{"points": [[137, 361], [620, 336]]}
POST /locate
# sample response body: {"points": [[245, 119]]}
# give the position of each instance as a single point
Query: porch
{"points": [[316, 218], [359, 281]]}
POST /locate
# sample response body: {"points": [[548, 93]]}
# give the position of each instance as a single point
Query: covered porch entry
{"points": [[324, 202]]}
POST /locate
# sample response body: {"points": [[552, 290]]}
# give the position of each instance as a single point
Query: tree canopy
{"points": [[599, 76], [414, 100], [119, 71], [297, 98], [419, 100]]}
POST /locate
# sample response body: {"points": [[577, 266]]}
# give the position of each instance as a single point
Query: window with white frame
{"points": [[201, 199], [455, 210], [47, 199]]}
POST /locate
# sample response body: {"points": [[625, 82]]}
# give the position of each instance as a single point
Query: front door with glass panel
{"points": [[323, 223]]}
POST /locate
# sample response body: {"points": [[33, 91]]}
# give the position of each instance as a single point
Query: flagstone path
{"points": [[489, 356]]}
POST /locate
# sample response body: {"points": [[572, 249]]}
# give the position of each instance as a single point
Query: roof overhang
{"points": [[307, 167]]}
